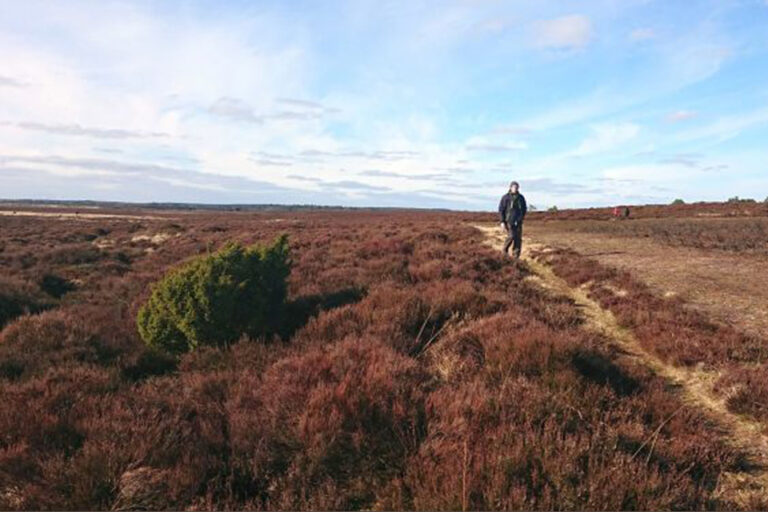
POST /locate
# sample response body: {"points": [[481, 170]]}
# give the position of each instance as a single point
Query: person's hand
{"points": [[502, 226]]}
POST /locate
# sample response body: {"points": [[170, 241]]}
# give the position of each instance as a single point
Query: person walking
{"points": [[512, 210]]}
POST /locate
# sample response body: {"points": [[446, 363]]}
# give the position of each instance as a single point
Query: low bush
{"points": [[32, 344], [56, 286], [149, 363], [746, 390], [17, 298], [76, 254], [218, 298], [327, 428]]}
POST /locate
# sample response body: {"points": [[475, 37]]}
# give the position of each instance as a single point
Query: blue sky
{"points": [[384, 103]]}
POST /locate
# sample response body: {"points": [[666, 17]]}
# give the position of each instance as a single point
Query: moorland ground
{"points": [[417, 368], [718, 265]]}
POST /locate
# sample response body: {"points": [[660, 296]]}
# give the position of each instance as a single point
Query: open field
{"points": [[417, 368], [719, 266]]}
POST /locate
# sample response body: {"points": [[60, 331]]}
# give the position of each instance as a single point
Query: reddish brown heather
{"points": [[419, 370], [676, 333], [702, 209]]}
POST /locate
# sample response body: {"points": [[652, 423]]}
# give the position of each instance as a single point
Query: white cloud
{"points": [[77, 130], [234, 109], [681, 115], [567, 32], [648, 175], [511, 129], [727, 127], [642, 34], [607, 137], [497, 148], [7, 81]]}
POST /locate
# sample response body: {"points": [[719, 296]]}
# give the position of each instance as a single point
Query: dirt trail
{"points": [[695, 386]]}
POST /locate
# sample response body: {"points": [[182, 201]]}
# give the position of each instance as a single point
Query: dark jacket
{"points": [[512, 209]]}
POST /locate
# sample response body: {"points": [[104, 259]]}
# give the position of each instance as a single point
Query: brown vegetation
{"points": [[739, 235], [740, 208], [729, 362], [420, 370], [664, 326]]}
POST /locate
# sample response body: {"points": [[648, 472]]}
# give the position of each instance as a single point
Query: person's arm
{"points": [[523, 208], [503, 208]]}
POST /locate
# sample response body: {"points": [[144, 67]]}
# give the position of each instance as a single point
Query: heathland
{"points": [[621, 364]]}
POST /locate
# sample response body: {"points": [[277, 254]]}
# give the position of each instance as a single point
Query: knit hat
{"points": [[514, 183]]}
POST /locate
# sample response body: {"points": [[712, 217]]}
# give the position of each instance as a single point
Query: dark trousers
{"points": [[514, 239]]}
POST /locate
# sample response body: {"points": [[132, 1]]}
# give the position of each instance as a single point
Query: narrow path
{"points": [[695, 386]]}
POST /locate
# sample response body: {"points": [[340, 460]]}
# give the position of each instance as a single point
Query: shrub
{"points": [[17, 298], [79, 254], [55, 286], [218, 298], [149, 363], [678, 201], [737, 199], [32, 344], [326, 428]]}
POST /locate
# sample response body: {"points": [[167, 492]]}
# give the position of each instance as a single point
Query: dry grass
{"points": [[728, 286]]}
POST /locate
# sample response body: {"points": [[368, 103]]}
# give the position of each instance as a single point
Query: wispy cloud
{"points": [[300, 177], [642, 34], [289, 115], [497, 148], [558, 187], [84, 131], [494, 142], [138, 172], [567, 32], [727, 127], [272, 163], [681, 115], [302, 104], [607, 137], [510, 130], [235, 109], [354, 185], [684, 159], [293, 102], [380, 174], [7, 81]]}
